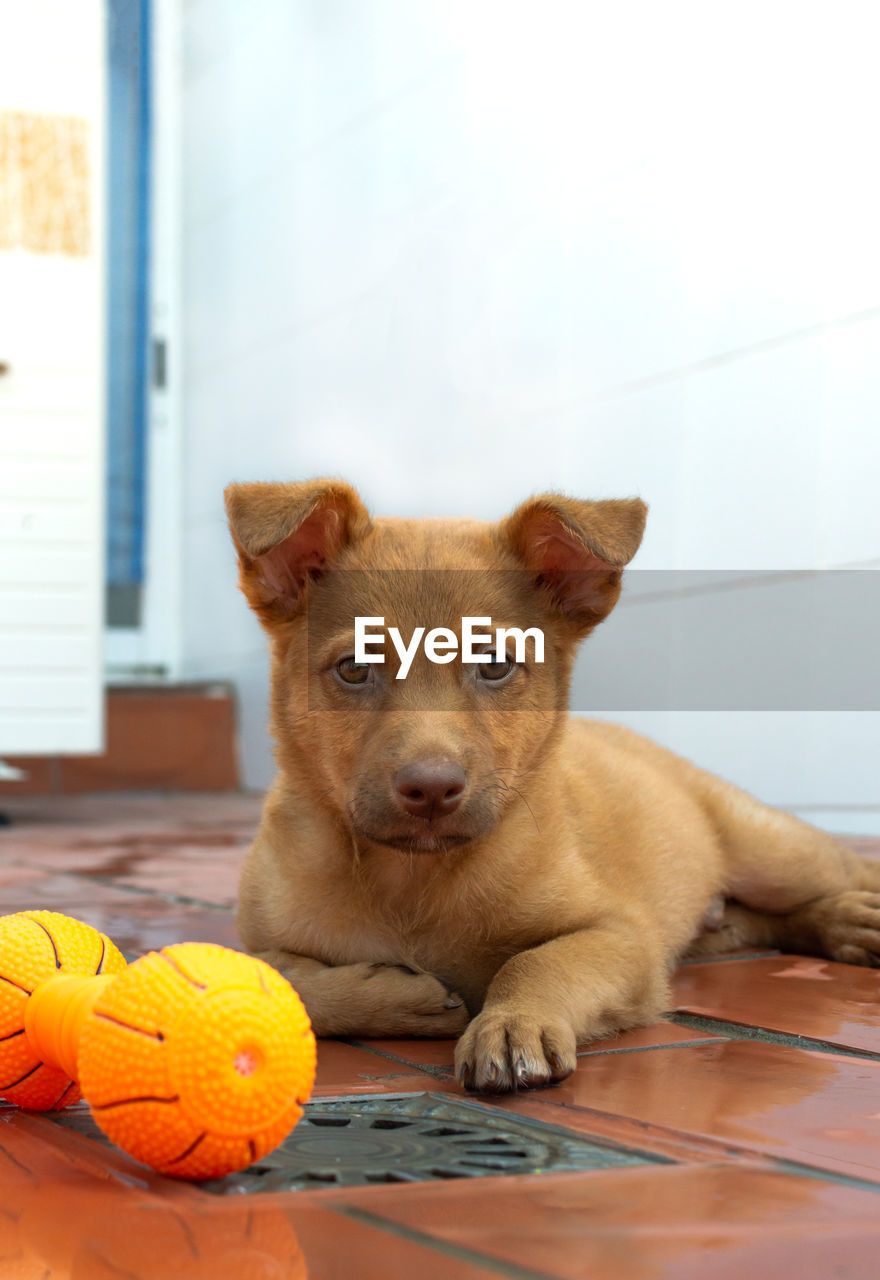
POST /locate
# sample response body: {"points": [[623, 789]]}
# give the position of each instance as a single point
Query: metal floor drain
{"points": [[417, 1138]]}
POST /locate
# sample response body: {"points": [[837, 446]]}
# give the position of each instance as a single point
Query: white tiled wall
{"points": [[460, 252]]}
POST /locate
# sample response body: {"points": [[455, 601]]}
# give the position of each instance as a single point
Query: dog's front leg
{"points": [[370, 999], [542, 1002]]}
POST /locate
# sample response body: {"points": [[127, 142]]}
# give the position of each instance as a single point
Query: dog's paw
{"points": [[847, 926], [404, 1001], [504, 1050]]}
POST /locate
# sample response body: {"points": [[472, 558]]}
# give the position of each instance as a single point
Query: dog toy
{"points": [[195, 1059]]}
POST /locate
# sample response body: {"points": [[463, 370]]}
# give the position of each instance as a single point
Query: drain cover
{"points": [[416, 1138]]}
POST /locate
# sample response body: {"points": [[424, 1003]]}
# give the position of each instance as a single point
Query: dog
{"points": [[451, 854]]}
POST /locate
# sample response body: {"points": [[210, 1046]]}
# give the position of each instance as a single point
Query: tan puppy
{"points": [[450, 854]]}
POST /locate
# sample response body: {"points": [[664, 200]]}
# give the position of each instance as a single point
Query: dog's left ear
{"points": [[577, 550]]}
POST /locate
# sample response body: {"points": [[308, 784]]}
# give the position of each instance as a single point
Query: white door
{"points": [[52, 116]]}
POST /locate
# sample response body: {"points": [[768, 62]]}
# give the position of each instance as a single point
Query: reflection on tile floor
{"points": [[796, 995], [759, 1111]]}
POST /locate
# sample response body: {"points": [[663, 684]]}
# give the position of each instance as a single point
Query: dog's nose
{"points": [[430, 788]]}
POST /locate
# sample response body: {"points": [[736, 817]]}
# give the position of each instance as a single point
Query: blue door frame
{"points": [[128, 303]]}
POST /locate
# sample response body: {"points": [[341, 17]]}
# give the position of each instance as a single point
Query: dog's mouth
{"points": [[436, 843]]}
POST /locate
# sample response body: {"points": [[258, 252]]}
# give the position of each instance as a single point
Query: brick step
{"points": [[178, 737]]}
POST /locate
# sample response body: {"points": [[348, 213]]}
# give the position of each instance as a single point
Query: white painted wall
{"points": [[461, 252], [52, 396]]}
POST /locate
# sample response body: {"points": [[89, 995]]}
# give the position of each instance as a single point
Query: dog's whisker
{"points": [[528, 806]]}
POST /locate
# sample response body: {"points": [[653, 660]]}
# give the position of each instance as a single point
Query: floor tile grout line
{"points": [[441, 1073], [111, 882], [653, 1048], [488, 1262], [820, 1173], [322, 1099], [685, 1142], [728, 959], [432, 1069], [748, 1031]]}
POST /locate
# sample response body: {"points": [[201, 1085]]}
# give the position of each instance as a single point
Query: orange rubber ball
{"points": [[34, 945], [197, 1060]]}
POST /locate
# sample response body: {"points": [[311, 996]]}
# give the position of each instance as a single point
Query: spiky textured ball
{"points": [[35, 945], [197, 1060]]}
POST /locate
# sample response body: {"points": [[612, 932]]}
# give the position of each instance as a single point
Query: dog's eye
{"points": [[495, 672], [351, 672]]}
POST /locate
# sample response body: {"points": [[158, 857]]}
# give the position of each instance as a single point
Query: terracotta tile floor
{"points": [[756, 1106]]}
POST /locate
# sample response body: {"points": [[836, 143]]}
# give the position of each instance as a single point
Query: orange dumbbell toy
{"points": [[195, 1059]]}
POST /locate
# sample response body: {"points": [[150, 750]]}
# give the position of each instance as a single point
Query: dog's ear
{"points": [[287, 534], [577, 550]]}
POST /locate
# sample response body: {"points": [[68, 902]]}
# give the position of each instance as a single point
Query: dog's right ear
{"points": [[287, 534]]}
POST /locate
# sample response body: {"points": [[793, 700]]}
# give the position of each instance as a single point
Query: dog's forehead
{"points": [[433, 543], [424, 572]]}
